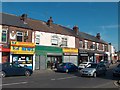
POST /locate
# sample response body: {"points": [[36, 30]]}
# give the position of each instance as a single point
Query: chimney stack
{"points": [[23, 17], [50, 21], [98, 36], [76, 29]]}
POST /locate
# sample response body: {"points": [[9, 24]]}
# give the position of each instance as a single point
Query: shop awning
{"points": [[2, 49]]}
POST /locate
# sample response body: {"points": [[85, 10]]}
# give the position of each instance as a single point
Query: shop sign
{"points": [[70, 50], [83, 54], [22, 50], [25, 44], [4, 49]]}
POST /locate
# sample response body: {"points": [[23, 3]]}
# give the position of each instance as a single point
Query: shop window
{"points": [[4, 36], [81, 44], [37, 39], [54, 40], [19, 36], [64, 41]]}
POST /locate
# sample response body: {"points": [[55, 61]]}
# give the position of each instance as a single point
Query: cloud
{"points": [[109, 26]]}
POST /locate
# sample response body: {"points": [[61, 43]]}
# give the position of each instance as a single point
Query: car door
{"points": [[18, 70], [99, 69], [8, 69]]}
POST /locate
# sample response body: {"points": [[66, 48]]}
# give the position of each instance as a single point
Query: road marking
{"points": [[63, 78], [13, 83], [102, 85]]}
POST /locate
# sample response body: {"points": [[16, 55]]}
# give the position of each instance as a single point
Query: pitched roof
{"points": [[90, 37], [12, 20], [54, 28]]}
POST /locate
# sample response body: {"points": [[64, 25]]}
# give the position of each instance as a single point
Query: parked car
{"points": [[116, 71], [94, 70], [84, 65], [106, 63], [67, 67], [10, 69]]}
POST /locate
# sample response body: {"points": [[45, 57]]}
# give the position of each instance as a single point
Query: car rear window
{"points": [[93, 66]]}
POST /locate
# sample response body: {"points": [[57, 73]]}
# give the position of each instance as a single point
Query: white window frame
{"points": [[103, 47], [64, 39], [86, 44], [93, 47], [37, 39], [6, 35], [54, 37], [97, 46], [81, 43], [18, 34]]}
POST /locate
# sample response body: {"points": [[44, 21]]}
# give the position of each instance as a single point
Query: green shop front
{"points": [[46, 56]]}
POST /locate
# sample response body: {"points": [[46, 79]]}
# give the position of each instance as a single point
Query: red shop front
{"points": [[4, 54]]}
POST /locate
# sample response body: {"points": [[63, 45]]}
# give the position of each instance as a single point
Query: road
{"points": [[52, 79]]}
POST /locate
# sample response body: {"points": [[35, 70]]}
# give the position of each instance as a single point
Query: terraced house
{"points": [[38, 44]]}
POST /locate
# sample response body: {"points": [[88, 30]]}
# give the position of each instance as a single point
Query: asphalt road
{"points": [[50, 79]]}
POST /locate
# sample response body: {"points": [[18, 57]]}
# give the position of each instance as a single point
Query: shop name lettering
{"points": [[23, 48]]}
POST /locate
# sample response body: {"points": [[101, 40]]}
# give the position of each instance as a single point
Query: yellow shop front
{"points": [[22, 53], [70, 55]]}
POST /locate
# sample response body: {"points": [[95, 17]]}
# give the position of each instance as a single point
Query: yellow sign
{"points": [[70, 50], [25, 44], [22, 47]]}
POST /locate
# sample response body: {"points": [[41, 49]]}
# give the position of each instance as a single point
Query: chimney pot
{"points": [[98, 36], [50, 21], [76, 29]]}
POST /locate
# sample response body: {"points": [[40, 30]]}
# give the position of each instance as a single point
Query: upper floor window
{"points": [[93, 46], [37, 39], [81, 44], [103, 47], [86, 45], [19, 36], [64, 41], [106, 48], [54, 40], [97, 46], [4, 36]]}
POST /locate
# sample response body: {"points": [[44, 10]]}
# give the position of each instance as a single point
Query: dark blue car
{"points": [[67, 67], [10, 69]]}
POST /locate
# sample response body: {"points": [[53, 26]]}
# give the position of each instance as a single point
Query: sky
{"points": [[90, 17]]}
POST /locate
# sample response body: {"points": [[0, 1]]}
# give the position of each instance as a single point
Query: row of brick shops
{"points": [[43, 57]]}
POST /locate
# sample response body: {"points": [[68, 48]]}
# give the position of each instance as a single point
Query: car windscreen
{"points": [[93, 66]]}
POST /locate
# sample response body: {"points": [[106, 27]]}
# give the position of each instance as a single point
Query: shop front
{"points": [[70, 55], [22, 53], [86, 56], [47, 56], [92, 56], [4, 54]]}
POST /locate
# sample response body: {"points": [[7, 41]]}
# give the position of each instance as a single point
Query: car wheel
{"points": [[94, 75], [27, 73], [66, 71], [3, 74]]}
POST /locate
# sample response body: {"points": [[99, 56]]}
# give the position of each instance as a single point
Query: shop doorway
{"points": [[52, 60], [40, 62]]}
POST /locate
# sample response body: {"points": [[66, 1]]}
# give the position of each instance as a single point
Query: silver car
{"points": [[93, 70]]}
